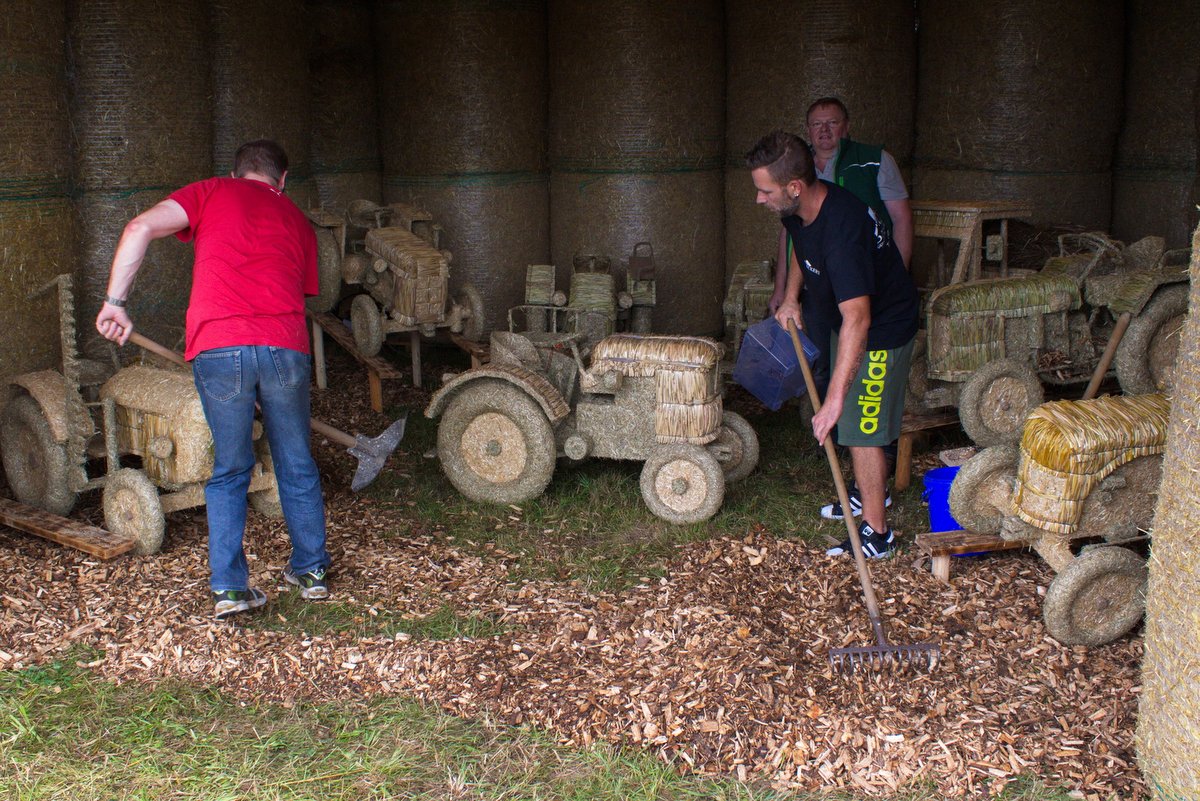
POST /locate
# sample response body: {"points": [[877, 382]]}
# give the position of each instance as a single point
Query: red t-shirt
{"points": [[256, 259]]}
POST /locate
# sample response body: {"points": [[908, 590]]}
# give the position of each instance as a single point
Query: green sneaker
{"points": [[312, 584], [233, 602]]}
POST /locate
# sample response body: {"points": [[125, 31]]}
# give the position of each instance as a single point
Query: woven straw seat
{"points": [[1069, 447]]}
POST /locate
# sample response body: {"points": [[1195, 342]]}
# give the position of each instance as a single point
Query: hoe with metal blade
{"points": [[371, 453], [882, 653]]}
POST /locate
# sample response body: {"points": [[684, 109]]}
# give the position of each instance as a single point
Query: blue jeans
{"points": [[229, 381]]}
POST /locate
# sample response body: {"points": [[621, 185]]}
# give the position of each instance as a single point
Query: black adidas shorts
{"points": [[874, 407]]}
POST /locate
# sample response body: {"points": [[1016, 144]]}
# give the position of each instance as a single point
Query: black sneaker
{"points": [[833, 511], [312, 584], [233, 602], [874, 544]]}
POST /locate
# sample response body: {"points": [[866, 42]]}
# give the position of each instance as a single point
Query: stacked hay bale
{"points": [[142, 124], [260, 85], [636, 130], [36, 239], [1156, 153], [864, 53], [1020, 100], [344, 101], [1168, 733], [462, 133]]}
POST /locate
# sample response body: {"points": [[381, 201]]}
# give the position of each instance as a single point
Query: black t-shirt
{"points": [[847, 253]]}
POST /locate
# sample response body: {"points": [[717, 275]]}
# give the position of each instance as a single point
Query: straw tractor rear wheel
{"points": [[495, 443], [1099, 596], [36, 465], [366, 322], [1147, 354], [472, 302], [683, 483], [329, 272], [983, 487], [132, 509], [735, 448], [996, 399]]}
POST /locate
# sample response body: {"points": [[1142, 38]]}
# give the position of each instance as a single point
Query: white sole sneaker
{"points": [[833, 511]]}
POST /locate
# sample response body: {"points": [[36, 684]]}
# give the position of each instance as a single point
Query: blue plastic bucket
{"points": [[937, 495]]}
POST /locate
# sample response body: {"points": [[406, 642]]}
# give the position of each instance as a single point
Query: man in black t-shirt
{"points": [[848, 287]]}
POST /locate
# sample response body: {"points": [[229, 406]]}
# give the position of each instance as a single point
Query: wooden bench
{"points": [[943, 545], [99, 542], [377, 368], [911, 424]]}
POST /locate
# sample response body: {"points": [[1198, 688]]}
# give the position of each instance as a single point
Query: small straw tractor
{"points": [[56, 421], [1084, 469], [655, 399], [991, 345], [392, 254]]}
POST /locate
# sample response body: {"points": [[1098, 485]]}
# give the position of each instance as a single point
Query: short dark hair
{"points": [[786, 157], [828, 101], [262, 156]]}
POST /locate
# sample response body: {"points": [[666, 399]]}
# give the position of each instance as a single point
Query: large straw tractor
{"points": [[991, 345], [1084, 470], [144, 422], [655, 399], [391, 255]]}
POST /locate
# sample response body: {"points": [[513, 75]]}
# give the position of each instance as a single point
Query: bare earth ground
{"points": [[719, 665]]}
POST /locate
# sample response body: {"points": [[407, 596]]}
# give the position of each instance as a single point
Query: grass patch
{"points": [[70, 735], [591, 525]]}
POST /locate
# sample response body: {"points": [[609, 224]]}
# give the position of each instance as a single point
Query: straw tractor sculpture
{"points": [[56, 421], [391, 255], [1084, 469], [595, 307], [748, 299], [991, 345], [655, 399]]}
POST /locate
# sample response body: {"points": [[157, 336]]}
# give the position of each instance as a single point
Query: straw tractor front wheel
{"points": [[495, 443], [683, 483], [981, 493], [735, 448], [329, 273], [132, 509], [1147, 354], [995, 401], [37, 466], [1099, 596], [366, 322]]}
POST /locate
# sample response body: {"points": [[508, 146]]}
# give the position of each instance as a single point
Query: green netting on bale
{"points": [[36, 227], [260, 85], [344, 100], [462, 86], [1168, 730]]}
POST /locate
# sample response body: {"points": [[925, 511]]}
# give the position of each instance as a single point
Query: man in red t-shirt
{"points": [[256, 259]]}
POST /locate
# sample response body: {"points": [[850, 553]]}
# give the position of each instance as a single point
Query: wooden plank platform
{"points": [[377, 368], [480, 352], [911, 424], [89, 539], [942, 545]]}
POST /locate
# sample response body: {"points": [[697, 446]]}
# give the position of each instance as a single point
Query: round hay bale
{"points": [[260, 85], [636, 145], [1168, 729], [344, 98], [1024, 99], [462, 133], [141, 116], [1156, 151], [35, 163], [863, 53]]}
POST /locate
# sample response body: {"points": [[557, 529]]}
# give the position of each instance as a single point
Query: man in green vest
{"points": [[871, 173]]}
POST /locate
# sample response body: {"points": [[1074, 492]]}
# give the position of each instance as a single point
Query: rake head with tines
{"points": [[882, 653]]}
